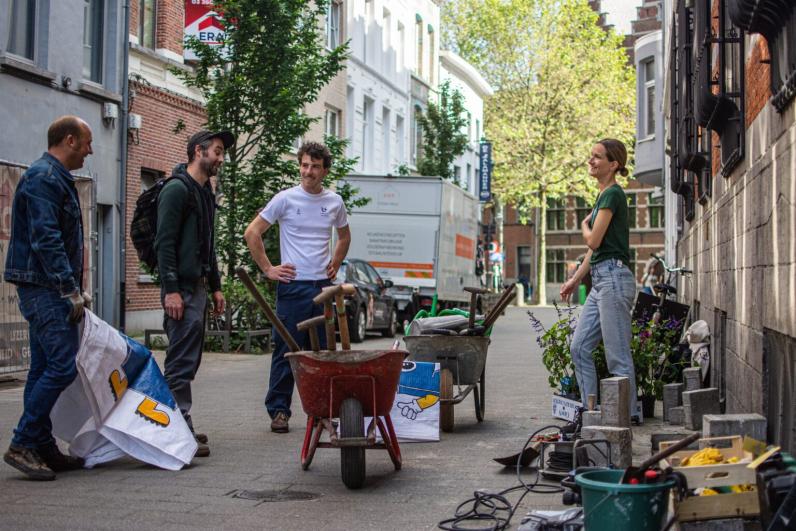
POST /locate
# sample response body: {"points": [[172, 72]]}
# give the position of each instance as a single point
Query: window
{"points": [[582, 209], [555, 265], [649, 97], [524, 262], [401, 45], [147, 22], [468, 176], [400, 152], [457, 174], [22, 25], [93, 13], [367, 133], [419, 32], [385, 138], [477, 130], [431, 53], [631, 211], [417, 136], [386, 24], [556, 214], [655, 210], [333, 25], [368, 52], [332, 122], [149, 177]]}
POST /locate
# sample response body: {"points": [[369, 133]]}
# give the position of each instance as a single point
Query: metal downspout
{"points": [[123, 167]]}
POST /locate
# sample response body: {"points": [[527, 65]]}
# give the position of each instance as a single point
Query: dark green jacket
{"points": [[178, 243]]}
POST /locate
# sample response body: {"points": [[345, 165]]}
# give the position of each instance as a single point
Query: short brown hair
{"points": [[62, 128], [616, 152], [316, 151]]}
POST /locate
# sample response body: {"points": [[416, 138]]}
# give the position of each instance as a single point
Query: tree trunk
{"points": [[541, 262]]}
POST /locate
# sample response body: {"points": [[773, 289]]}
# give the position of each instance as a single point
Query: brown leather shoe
{"points": [[279, 424], [29, 462], [59, 462], [201, 437], [202, 449]]}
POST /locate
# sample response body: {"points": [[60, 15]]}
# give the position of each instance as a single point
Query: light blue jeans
{"points": [[606, 314]]}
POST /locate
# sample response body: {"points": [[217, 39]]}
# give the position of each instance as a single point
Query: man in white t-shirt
{"points": [[306, 215]]}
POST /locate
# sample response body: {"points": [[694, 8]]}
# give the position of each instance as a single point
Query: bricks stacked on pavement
{"points": [[751, 424], [672, 397], [699, 403], [592, 418], [676, 415], [615, 401], [621, 440], [692, 378]]}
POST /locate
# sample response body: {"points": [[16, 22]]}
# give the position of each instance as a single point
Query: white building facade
{"points": [[474, 89], [394, 46]]}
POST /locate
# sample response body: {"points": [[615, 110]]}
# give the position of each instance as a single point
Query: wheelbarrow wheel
{"points": [[446, 393], [480, 397], [352, 458]]}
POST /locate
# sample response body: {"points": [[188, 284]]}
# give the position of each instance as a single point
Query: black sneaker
{"points": [[201, 437], [59, 462], [29, 462]]}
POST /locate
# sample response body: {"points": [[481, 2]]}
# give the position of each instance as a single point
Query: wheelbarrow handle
{"points": [[311, 323], [269, 313]]}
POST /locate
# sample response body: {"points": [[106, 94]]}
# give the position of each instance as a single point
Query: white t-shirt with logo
{"points": [[305, 228]]}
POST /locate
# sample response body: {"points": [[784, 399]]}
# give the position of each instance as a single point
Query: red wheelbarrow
{"points": [[344, 385], [348, 385]]}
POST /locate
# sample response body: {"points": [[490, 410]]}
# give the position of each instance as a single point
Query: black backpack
{"points": [[143, 228]]}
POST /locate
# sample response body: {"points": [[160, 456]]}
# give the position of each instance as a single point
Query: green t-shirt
{"points": [[616, 242]]}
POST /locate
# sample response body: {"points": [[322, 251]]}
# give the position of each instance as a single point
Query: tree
{"points": [[272, 63], [444, 139], [562, 82]]}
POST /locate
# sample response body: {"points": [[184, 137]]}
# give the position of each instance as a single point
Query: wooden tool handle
{"points": [[328, 318], [499, 307], [679, 445], [326, 294], [342, 322], [311, 323], [269, 313], [475, 291]]}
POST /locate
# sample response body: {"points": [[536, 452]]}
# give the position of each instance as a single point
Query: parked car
{"points": [[371, 308]]}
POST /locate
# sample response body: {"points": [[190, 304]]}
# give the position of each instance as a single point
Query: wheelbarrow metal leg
{"points": [[390, 441], [311, 437]]}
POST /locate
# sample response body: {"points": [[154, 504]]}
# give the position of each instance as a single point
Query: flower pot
{"points": [[648, 406]]}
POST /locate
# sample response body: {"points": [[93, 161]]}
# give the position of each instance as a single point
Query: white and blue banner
{"points": [[120, 404], [415, 412]]}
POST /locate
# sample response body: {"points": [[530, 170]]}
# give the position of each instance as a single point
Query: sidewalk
{"points": [[245, 455]]}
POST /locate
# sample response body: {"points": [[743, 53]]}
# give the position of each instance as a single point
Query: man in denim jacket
{"points": [[45, 261]]}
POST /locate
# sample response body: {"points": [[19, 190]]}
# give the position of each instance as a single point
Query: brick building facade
{"points": [[733, 156], [170, 113]]}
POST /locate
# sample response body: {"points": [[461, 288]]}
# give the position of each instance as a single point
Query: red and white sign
{"points": [[204, 23]]}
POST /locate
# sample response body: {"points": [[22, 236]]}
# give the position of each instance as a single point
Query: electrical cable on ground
{"points": [[495, 508]]}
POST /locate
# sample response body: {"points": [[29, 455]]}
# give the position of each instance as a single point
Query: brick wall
{"points": [[158, 148], [170, 24]]}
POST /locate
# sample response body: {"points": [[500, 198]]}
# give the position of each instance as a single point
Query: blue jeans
{"points": [[293, 305], [606, 314], [53, 349]]}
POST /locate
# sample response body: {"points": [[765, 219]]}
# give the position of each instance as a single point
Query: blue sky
{"points": [[620, 13]]}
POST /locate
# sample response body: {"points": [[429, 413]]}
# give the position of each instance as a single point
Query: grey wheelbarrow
{"points": [[462, 362]]}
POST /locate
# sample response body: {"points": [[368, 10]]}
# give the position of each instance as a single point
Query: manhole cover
{"points": [[275, 495]]}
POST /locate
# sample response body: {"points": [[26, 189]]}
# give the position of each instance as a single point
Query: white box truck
{"points": [[419, 232]]}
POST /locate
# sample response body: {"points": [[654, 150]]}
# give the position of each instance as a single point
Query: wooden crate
{"points": [[731, 505]]}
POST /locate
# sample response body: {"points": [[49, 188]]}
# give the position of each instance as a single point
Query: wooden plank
{"points": [[719, 506], [723, 475]]}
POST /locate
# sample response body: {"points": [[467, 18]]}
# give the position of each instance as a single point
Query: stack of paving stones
{"points": [[685, 403], [611, 423], [745, 424]]}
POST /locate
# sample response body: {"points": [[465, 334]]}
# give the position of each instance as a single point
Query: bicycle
{"points": [[665, 289]]}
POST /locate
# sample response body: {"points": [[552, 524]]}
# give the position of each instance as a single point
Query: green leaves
{"points": [[444, 138]]}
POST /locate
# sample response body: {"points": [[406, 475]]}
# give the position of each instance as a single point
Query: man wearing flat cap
{"points": [[187, 263]]}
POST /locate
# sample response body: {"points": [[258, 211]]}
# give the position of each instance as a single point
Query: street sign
{"points": [[485, 172], [202, 22]]}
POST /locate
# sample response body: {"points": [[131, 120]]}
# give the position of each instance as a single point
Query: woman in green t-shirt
{"points": [[606, 312]]}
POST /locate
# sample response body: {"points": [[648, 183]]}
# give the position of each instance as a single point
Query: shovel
{"points": [[636, 474]]}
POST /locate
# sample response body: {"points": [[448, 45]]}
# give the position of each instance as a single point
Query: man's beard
{"points": [[210, 168]]}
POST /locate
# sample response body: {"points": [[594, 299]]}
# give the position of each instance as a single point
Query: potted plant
{"points": [[651, 346]]}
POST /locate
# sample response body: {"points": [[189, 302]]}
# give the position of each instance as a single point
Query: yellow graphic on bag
{"points": [[118, 384], [147, 410]]}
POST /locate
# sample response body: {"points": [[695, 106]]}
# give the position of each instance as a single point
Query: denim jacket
{"points": [[46, 245]]}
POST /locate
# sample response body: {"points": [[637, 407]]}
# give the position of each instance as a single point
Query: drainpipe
{"points": [[123, 167]]}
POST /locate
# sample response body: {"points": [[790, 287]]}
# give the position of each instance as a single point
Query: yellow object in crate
{"points": [[706, 456]]}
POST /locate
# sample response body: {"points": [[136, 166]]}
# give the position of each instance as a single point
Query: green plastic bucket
{"points": [[609, 505]]}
